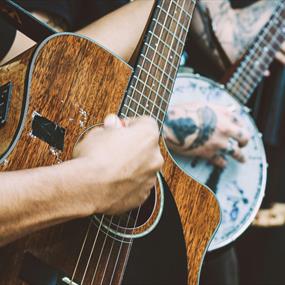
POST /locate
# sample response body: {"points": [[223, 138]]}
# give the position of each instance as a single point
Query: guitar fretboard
{"points": [[259, 56], [152, 82]]}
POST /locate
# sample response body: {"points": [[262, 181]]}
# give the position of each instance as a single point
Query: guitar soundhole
{"points": [[123, 226]]}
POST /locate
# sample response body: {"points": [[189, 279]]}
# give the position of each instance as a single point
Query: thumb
{"points": [[113, 121]]}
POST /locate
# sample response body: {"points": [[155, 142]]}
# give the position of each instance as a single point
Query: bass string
{"points": [[101, 252], [95, 240], [108, 259]]}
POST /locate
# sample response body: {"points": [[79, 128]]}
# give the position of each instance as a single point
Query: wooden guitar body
{"points": [[75, 83]]}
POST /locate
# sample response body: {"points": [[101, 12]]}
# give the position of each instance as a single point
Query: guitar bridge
{"points": [[5, 97]]}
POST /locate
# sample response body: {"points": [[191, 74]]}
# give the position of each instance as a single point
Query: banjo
{"points": [[240, 187]]}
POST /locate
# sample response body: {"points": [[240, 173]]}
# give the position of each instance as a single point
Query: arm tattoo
{"points": [[237, 28], [182, 128], [208, 121], [244, 32]]}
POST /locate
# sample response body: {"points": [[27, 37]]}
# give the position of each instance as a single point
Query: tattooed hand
{"points": [[204, 131], [237, 28]]}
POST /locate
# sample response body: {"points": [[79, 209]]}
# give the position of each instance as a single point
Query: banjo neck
{"points": [[259, 56], [155, 71]]}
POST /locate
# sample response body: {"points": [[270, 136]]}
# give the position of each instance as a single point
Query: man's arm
{"points": [[107, 175], [235, 28], [118, 31]]}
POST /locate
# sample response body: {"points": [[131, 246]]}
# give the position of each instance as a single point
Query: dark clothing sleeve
{"points": [[75, 13], [7, 36]]}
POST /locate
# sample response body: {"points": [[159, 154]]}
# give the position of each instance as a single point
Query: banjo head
{"points": [[240, 187]]}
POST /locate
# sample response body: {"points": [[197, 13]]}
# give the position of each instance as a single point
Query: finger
{"points": [[280, 56], [219, 161], [156, 161], [237, 154], [239, 134], [113, 121]]}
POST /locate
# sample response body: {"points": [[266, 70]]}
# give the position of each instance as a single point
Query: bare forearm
{"points": [[37, 198], [121, 38], [118, 31]]}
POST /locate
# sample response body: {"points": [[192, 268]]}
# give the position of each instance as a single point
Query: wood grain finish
{"points": [[15, 72], [72, 75]]}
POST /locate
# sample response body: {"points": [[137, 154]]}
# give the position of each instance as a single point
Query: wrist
{"points": [[82, 184]]}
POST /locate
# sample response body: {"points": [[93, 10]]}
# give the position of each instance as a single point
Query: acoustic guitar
{"points": [[51, 96]]}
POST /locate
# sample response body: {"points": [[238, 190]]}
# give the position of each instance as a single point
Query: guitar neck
{"points": [[152, 82], [259, 56]]}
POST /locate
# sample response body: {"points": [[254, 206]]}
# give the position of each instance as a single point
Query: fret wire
{"points": [[167, 62], [147, 98], [151, 90], [163, 42], [145, 107], [181, 31], [171, 49], [169, 52], [156, 66], [189, 15], [181, 26], [164, 58], [156, 46], [170, 32], [154, 53], [156, 80]]}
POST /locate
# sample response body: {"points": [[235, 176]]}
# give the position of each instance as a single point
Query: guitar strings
{"points": [[93, 246], [121, 245], [153, 58], [120, 248], [111, 221], [108, 259], [101, 252], [80, 253]]}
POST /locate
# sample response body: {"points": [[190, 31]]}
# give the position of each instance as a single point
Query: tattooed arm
{"points": [[235, 28], [203, 131]]}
